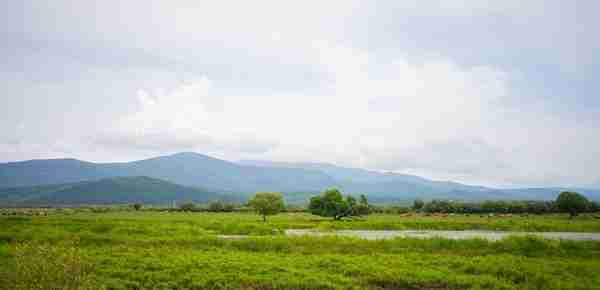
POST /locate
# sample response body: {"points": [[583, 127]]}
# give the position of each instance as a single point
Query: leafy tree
{"points": [[220, 206], [572, 202], [418, 204], [267, 203], [363, 199], [594, 207], [363, 207], [228, 207], [442, 206], [137, 206], [331, 203], [188, 206], [216, 206]]}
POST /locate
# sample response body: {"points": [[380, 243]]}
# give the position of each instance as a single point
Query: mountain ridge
{"points": [[114, 190], [191, 169], [248, 176]]}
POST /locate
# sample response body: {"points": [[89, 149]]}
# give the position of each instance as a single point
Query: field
{"points": [[162, 250]]}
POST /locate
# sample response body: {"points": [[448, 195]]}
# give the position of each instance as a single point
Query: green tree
{"points": [[267, 203], [594, 206], [137, 206], [188, 206], [216, 206], [572, 202], [363, 207], [418, 204], [438, 206], [228, 207], [331, 203]]}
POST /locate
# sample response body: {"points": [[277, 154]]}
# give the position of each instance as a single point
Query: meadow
{"points": [[81, 249]]}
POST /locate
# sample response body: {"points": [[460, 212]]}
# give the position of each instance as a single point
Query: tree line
{"points": [[569, 202], [332, 203]]}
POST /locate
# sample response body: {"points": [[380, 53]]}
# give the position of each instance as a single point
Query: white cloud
{"points": [[434, 118], [429, 114], [373, 112]]}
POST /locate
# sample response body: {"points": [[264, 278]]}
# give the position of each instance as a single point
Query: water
{"points": [[455, 235]]}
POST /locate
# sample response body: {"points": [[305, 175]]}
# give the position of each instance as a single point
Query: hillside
{"points": [[190, 169], [395, 187], [246, 177], [118, 190]]}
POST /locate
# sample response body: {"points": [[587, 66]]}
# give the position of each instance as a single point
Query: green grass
{"points": [[150, 250]]}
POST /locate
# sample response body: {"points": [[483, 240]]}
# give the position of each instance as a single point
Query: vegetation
{"points": [[147, 249], [510, 207], [187, 206], [418, 204], [267, 203], [572, 202], [220, 206], [331, 203], [45, 266], [594, 207], [116, 190]]}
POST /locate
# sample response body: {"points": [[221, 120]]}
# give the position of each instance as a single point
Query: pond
{"points": [[456, 235]]}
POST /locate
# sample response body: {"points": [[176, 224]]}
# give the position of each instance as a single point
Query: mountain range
{"points": [[197, 177], [116, 190]]}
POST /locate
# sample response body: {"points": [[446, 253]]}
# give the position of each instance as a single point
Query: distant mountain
{"points": [[394, 187], [191, 169], [340, 173], [298, 181], [381, 185], [117, 190]]}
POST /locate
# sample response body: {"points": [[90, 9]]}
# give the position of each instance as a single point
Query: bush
{"points": [[295, 208], [438, 206], [216, 206], [391, 209], [331, 203], [100, 209], [517, 207], [187, 206], [418, 204], [220, 206]]}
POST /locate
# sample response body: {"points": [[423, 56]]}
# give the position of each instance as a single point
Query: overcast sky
{"points": [[503, 93]]}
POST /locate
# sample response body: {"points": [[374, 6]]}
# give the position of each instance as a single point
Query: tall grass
{"points": [[48, 267], [144, 250]]}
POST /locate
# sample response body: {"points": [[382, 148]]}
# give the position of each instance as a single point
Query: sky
{"points": [[498, 93]]}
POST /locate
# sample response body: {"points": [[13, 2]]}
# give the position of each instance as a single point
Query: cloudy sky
{"points": [[503, 93]]}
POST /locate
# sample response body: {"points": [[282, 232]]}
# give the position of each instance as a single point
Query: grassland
{"points": [[155, 250]]}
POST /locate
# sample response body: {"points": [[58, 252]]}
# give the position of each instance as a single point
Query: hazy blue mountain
{"points": [[201, 170], [394, 187], [116, 190], [53, 171], [340, 173], [190, 169], [298, 180], [381, 184]]}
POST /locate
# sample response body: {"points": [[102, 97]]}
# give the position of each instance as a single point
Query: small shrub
{"points": [[137, 206]]}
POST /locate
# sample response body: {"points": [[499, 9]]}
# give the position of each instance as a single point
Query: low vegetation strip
{"points": [[156, 223]]}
